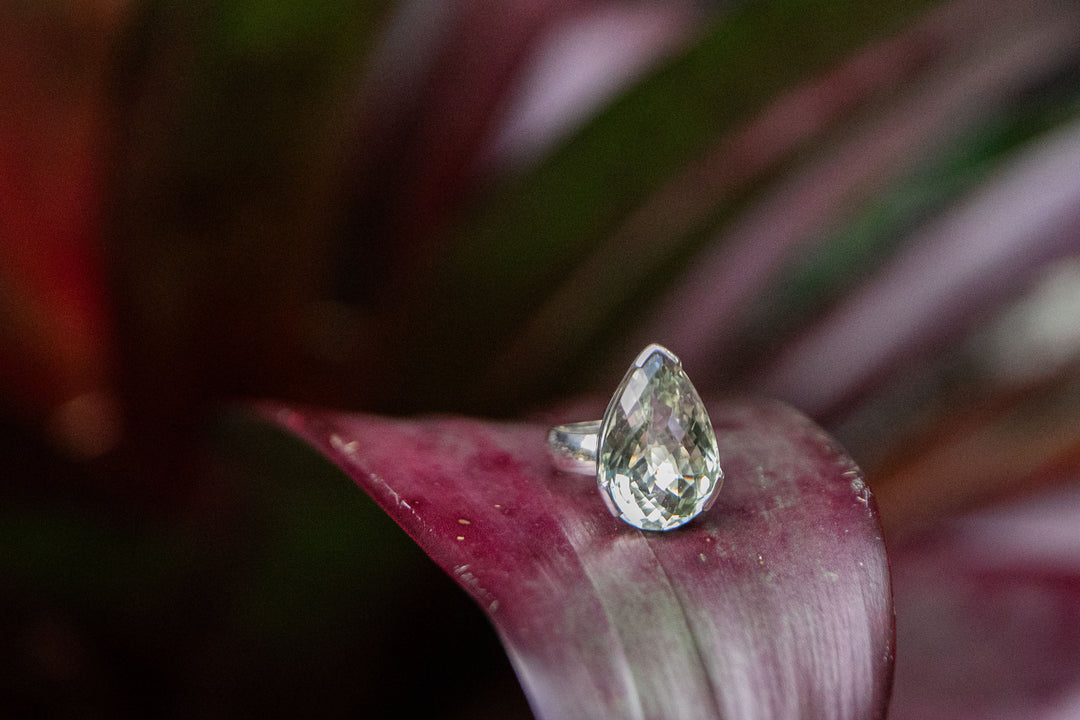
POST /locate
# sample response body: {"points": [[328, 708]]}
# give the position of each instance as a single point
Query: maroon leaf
{"points": [[988, 615], [942, 75], [983, 254], [998, 448], [775, 604], [55, 333], [426, 123]]}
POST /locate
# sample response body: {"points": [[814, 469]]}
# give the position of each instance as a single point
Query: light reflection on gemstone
{"points": [[658, 463]]}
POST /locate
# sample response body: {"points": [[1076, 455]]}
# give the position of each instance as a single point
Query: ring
{"points": [[654, 452]]}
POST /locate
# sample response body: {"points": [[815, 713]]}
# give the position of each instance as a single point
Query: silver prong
{"points": [[715, 492], [644, 355]]}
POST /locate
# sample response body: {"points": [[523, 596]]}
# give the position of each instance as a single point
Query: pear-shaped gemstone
{"points": [[657, 465]]}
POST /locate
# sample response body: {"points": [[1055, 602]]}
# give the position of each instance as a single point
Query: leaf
{"points": [[428, 121], [988, 614], [821, 248], [54, 325], [230, 132], [776, 604], [971, 260], [1002, 446], [527, 234]]}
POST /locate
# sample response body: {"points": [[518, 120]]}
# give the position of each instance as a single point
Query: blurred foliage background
{"points": [[871, 211]]}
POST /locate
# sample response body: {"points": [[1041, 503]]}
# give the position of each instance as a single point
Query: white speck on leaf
{"points": [[348, 448]]}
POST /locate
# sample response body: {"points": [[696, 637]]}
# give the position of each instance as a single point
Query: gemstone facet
{"points": [[658, 465]]}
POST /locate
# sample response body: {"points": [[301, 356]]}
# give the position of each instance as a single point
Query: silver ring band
{"points": [[574, 446]]}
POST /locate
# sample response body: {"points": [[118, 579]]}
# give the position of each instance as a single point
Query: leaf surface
{"points": [[988, 613], [775, 604]]}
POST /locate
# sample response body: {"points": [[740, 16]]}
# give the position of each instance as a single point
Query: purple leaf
{"points": [[437, 88], [942, 75], [986, 252], [775, 604], [999, 448], [988, 615]]}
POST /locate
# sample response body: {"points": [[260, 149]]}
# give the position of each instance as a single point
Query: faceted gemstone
{"points": [[657, 467]]}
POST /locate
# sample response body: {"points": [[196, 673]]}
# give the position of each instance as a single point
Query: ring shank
{"points": [[573, 447]]}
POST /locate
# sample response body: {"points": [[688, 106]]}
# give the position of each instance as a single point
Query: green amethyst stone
{"points": [[657, 466]]}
